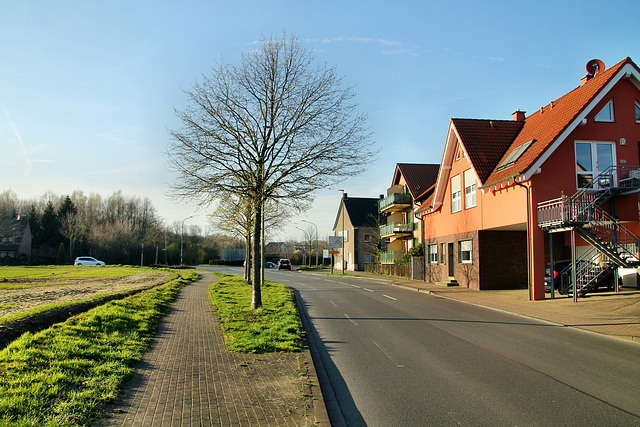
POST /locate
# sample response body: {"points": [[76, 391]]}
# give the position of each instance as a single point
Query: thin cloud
{"points": [[27, 170]]}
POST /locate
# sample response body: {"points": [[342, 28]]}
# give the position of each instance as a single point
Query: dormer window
{"points": [[606, 114], [637, 112]]}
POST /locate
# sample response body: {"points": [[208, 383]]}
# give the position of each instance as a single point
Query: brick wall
{"points": [[503, 262]]}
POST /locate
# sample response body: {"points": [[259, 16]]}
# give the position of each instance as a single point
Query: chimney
{"points": [[585, 79], [344, 195], [518, 116]]}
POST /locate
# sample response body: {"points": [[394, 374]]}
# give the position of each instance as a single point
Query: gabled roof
{"points": [[486, 141], [362, 211], [490, 144], [418, 176], [550, 125]]}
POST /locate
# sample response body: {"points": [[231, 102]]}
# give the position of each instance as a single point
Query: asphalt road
{"points": [[387, 356]]}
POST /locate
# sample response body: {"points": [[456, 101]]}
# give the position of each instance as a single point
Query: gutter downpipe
{"points": [[527, 189]]}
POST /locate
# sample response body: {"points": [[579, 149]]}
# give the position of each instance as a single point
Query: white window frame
{"points": [[637, 110], [465, 251], [456, 194], [469, 189], [433, 253], [443, 254], [606, 114]]}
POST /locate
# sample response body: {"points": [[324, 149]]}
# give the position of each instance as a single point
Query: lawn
{"points": [[274, 327]]}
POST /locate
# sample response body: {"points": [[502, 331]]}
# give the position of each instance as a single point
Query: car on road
{"points": [[284, 264], [87, 260], [269, 264]]}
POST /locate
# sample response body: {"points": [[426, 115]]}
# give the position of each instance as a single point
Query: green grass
{"points": [[64, 375], [272, 328]]}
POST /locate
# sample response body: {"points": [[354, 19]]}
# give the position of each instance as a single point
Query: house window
{"points": [[637, 112], [367, 258], [367, 237], [593, 158], [464, 251], [469, 189], [515, 154], [442, 254], [344, 234], [606, 114], [458, 153], [456, 195], [433, 254]]}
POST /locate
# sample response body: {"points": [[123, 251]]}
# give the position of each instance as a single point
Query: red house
{"points": [[559, 185]]}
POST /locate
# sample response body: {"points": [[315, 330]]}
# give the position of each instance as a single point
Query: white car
{"points": [[87, 260]]}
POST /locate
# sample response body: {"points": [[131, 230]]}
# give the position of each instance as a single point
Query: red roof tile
{"points": [[419, 176], [547, 124], [486, 141]]}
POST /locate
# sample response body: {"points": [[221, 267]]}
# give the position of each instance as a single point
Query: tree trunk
{"points": [[256, 295]]}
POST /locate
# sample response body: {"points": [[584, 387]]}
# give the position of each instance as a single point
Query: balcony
{"points": [[395, 202], [396, 230], [390, 257]]}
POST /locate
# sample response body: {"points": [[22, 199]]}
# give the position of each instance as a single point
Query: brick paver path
{"points": [[188, 378]]}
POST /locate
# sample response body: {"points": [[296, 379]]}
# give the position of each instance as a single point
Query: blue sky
{"points": [[87, 89]]}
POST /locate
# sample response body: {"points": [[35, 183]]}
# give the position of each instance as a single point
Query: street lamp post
{"points": [[304, 236], [343, 213], [317, 243], [182, 238]]}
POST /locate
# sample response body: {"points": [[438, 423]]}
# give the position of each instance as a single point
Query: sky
{"points": [[88, 89]]}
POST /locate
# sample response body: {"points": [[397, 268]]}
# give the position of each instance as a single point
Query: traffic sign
{"points": [[335, 242]]}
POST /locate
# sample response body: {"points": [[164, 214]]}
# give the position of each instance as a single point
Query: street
{"points": [[388, 356]]}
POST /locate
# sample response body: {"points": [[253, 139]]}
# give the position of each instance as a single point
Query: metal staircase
{"points": [[613, 245]]}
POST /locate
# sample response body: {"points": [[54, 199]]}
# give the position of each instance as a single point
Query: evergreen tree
{"points": [[49, 222], [61, 257]]}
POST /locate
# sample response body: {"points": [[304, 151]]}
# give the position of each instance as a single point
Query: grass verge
{"points": [[274, 327], [64, 375]]}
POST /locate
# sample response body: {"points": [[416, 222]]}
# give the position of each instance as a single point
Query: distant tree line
{"points": [[117, 229]]}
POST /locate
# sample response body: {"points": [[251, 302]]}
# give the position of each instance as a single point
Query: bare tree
{"points": [[276, 126], [73, 228]]}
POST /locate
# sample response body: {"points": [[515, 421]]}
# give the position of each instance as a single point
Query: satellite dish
{"points": [[595, 66]]}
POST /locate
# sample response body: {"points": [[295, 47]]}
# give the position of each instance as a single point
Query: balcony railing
{"points": [[395, 202], [390, 257], [396, 229]]}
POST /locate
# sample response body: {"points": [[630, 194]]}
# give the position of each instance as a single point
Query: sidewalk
{"points": [[606, 313], [188, 378]]}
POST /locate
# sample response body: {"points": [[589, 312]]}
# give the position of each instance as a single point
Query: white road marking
{"points": [[368, 290], [333, 303], [351, 320], [387, 296], [388, 355]]}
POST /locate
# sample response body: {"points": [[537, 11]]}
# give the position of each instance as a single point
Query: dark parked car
{"points": [[284, 264]]}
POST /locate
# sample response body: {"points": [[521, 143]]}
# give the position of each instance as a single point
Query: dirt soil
{"points": [[50, 291]]}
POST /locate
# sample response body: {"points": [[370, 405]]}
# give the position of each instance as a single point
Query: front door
{"points": [[593, 158], [450, 259]]}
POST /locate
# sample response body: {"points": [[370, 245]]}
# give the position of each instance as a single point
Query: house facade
{"points": [[358, 223], [15, 240], [411, 182], [562, 183]]}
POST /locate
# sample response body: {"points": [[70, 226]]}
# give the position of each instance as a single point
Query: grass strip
{"points": [[41, 309], [274, 327], [64, 375]]}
